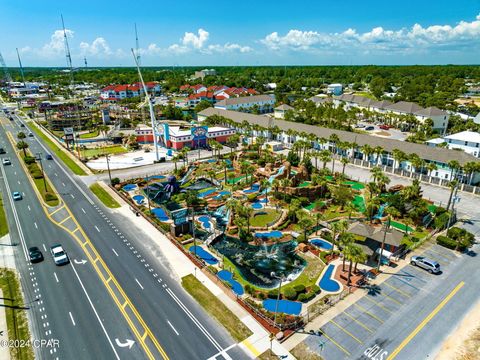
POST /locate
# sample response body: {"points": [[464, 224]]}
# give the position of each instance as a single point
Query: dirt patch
{"points": [[302, 351], [464, 342], [383, 133]]}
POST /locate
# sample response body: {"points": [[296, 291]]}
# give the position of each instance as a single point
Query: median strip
{"points": [[104, 196]]}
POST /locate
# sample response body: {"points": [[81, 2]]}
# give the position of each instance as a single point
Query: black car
{"points": [[2, 151], [35, 254]]}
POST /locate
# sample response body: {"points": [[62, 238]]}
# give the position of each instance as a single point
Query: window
{"points": [[476, 145], [446, 176], [466, 143], [436, 173]]}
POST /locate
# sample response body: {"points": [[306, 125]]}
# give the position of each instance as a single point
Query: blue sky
{"points": [[243, 33]]}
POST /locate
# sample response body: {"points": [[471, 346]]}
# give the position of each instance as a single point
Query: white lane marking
{"points": [[18, 182], [63, 183], [56, 278], [44, 247], [73, 197], [55, 174], [28, 206], [175, 330], [83, 210], [36, 227], [97, 228], [96, 314], [50, 166], [114, 252], [71, 317], [138, 282], [15, 172]]}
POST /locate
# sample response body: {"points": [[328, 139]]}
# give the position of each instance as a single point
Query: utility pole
{"points": [[108, 168], [272, 274], [148, 197], [39, 154], [452, 214], [387, 226]]}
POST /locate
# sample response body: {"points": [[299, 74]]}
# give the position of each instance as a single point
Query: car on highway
{"points": [[17, 196], [49, 157], [6, 162], [59, 255], [430, 265], [2, 151], [35, 254], [370, 128], [22, 125], [30, 134]]}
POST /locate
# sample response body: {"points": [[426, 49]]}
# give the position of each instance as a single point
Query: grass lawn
{"points": [[304, 184], [268, 355], [118, 149], [264, 217], [355, 185], [302, 351], [57, 151], [333, 212], [365, 94], [216, 308], [104, 196], [401, 226], [310, 274], [17, 323], [3, 219], [89, 135], [52, 199], [235, 180]]}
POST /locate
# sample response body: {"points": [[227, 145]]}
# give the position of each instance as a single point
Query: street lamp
{"points": [[386, 227], [39, 157], [272, 274], [108, 168]]}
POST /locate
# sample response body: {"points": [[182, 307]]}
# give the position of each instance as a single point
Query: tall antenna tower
{"points": [[85, 61], [67, 51], [150, 106], [137, 46], [21, 67], [8, 78]]}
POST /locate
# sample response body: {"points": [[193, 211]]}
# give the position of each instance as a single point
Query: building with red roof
{"points": [[124, 91]]}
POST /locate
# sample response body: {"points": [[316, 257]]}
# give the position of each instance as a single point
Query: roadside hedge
{"points": [[446, 242]]}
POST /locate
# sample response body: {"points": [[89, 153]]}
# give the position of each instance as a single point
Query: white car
{"points": [[6, 161], [60, 257]]}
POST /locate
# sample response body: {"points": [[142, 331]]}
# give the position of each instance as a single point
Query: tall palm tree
{"points": [[454, 165], [318, 217], [325, 156], [378, 150], [264, 185], [344, 162], [367, 150], [399, 156], [376, 171], [431, 166], [346, 240], [23, 145], [452, 185]]}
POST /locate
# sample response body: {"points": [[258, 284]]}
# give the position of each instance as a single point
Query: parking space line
{"points": [[365, 311], [414, 276], [346, 332], [391, 298], [445, 255], [434, 257], [405, 282], [404, 293], [335, 343], [358, 322], [378, 304]]}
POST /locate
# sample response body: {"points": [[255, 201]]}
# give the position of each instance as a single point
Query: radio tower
{"points": [[137, 47], [67, 52], [21, 67], [85, 61], [8, 78]]}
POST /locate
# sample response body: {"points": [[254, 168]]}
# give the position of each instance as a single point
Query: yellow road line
{"points": [[397, 289], [60, 208], [99, 273], [108, 280], [358, 322], [335, 343], [425, 321], [61, 222], [252, 348], [378, 304], [144, 336], [346, 332], [368, 313]]}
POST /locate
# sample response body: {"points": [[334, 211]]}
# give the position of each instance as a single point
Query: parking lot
{"points": [[358, 331]]}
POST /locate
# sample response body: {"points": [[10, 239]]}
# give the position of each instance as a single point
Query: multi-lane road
{"points": [[115, 300]]}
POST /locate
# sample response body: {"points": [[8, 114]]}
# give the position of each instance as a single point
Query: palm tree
{"points": [[378, 150], [21, 135], [399, 156], [367, 150], [360, 256], [264, 185], [22, 145], [452, 185], [376, 171], [431, 166], [470, 168], [454, 165], [175, 160], [346, 240], [325, 157], [304, 223], [344, 162], [318, 217]]}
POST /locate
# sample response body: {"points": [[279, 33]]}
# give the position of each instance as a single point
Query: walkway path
{"points": [[4, 354]]}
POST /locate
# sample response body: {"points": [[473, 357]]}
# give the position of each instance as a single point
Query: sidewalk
{"points": [[7, 256], [4, 354], [180, 266]]}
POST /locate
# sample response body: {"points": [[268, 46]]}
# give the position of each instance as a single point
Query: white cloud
{"points": [[56, 44], [197, 41], [378, 38], [99, 47]]}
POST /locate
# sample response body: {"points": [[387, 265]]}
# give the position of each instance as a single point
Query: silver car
{"points": [[430, 265]]}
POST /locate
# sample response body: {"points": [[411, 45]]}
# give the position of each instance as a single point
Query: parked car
{"points": [[6, 161], [30, 134], [17, 196], [2, 151], [35, 254], [60, 257], [370, 128], [384, 127], [430, 265], [49, 157], [359, 126], [22, 125]]}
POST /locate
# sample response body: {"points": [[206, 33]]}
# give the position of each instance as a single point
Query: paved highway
{"points": [[72, 307], [158, 303]]}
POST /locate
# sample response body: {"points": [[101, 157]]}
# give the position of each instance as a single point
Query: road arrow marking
{"points": [[80, 262], [129, 343]]}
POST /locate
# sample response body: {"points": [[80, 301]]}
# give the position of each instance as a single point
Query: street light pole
{"points": [[278, 296], [43, 174], [108, 168], [387, 225]]}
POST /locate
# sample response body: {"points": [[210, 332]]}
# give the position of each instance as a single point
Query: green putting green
{"points": [[359, 203], [355, 185], [235, 180], [400, 226], [304, 184], [432, 208]]}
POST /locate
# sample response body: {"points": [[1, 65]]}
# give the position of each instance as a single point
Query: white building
{"points": [[335, 89], [264, 102], [467, 141], [279, 111]]}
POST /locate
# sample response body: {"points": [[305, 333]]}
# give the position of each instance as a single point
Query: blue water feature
{"points": [[204, 255], [228, 277], [257, 205], [254, 188], [322, 244], [270, 234], [263, 201], [205, 220], [138, 199], [380, 211], [221, 194], [159, 177], [279, 172], [284, 306], [206, 193], [130, 187], [160, 214], [327, 283]]}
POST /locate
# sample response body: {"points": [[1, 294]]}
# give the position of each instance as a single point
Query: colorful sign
{"points": [[199, 132], [179, 216]]}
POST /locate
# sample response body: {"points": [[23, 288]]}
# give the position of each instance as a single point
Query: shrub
{"points": [[261, 295], [290, 294], [446, 242], [213, 269], [37, 174], [50, 197], [284, 225], [441, 220], [300, 288], [315, 289], [29, 160], [115, 181], [248, 289], [273, 294], [302, 298]]}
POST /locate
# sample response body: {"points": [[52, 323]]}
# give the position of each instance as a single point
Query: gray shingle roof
{"points": [[405, 107], [284, 107], [245, 99], [431, 111], [423, 151]]}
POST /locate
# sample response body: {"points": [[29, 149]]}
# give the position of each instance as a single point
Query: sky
{"points": [[261, 32]]}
